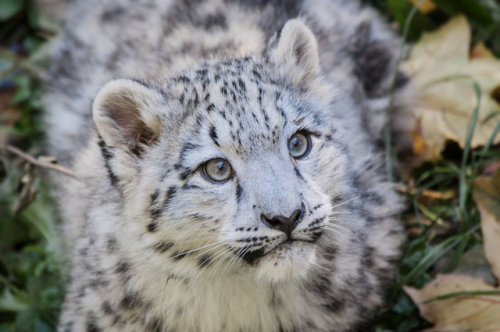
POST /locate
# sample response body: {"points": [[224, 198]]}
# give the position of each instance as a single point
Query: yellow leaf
{"points": [[467, 303], [458, 313], [427, 6], [487, 197], [443, 74], [418, 143], [481, 51]]}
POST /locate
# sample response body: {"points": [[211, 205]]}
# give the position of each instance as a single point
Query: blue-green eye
{"points": [[217, 170], [299, 145]]}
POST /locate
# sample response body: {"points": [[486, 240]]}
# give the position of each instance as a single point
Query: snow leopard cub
{"points": [[230, 178]]}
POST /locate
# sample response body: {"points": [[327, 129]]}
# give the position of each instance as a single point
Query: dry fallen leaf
{"points": [[443, 73], [481, 51], [470, 312], [459, 313], [487, 197]]}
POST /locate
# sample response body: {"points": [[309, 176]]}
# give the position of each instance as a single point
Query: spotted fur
{"points": [[152, 245]]}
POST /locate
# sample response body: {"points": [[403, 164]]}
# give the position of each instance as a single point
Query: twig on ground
{"points": [[444, 195], [33, 70], [40, 163]]}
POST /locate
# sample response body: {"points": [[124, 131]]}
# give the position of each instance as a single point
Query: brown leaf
{"points": [[487, 197], [481, 51], [459, 313], [468, 312], [442, 72]]}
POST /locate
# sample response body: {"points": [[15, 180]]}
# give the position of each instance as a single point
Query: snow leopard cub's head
{"points": [[236, 166]]}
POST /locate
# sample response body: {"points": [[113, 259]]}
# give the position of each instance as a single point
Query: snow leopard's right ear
{"points": [[125, 117], [295, 52]]}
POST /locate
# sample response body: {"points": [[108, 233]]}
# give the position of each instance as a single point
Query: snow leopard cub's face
{"points": [[233, 166]]}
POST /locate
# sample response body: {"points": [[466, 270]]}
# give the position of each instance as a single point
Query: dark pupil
{"points": [[296, 143], [220, 167]]}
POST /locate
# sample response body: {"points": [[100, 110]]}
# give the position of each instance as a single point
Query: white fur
{"points": [[144, 217]]}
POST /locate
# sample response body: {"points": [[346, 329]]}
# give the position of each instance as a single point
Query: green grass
{"points": [[439, 231], [31, 283], [426, 250]]}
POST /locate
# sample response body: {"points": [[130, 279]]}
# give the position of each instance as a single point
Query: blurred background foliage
{"points": [[483, 15], [31, 283], [31, 278]]}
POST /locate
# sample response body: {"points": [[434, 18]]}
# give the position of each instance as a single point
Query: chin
{"points": [[288, 261]]}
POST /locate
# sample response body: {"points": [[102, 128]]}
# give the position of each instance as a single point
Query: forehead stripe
{"points": [[214, 136]]}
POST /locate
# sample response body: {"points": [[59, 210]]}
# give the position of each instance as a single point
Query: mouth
{"points": [[252, 257]]}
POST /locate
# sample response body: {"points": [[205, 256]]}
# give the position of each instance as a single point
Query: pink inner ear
{"points": [[125, 113]]}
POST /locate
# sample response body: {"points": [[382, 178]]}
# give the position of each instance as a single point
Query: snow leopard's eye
{"points": [[217, 170], [299, 145]]}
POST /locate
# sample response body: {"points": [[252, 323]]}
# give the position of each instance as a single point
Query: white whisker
{"points": [[344, 202]]}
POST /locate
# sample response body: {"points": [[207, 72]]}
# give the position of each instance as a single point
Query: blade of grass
{"points": [[464, 293], [450, 171], [439, 177], [492, 138], [490, 116], [457, 254], [463, 188], [429, 214], [491, 154], [434, 255]]}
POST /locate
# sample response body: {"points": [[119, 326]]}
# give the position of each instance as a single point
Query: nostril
{"points": [[298, 214], [302, 212], [270, 222], [284, 224], [274, 222], [294, 217]]}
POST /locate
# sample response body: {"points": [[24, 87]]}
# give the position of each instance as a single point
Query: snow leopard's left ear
{"points": [[295, 52]]}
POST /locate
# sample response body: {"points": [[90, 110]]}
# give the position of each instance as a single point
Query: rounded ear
{"points": [[126, 114], [296, 52]]}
